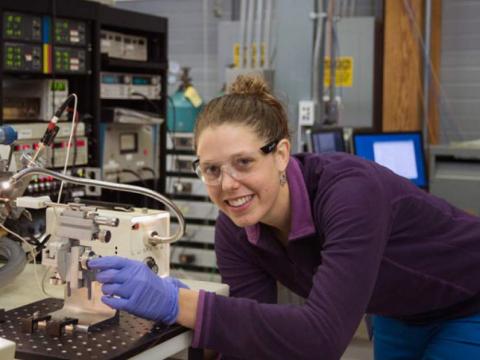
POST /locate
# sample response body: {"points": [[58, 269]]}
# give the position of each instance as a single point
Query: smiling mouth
{"points": [[238, 202]]}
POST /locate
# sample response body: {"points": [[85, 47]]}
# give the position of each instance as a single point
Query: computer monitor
{"points": [[401, 152], [327, 140]]}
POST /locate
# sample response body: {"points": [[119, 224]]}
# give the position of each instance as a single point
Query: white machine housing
{"points": [[79, 233], [130, 238]]}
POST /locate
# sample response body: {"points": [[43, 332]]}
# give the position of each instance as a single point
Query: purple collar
{"points": [[301, 215]]}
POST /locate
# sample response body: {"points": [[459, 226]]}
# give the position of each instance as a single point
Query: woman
{"points": [[348, 235]]}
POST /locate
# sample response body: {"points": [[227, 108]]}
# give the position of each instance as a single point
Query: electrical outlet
{"points": [[306, 112]]}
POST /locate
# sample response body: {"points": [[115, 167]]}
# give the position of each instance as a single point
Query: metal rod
{"points": [[319, 64], [258, 35], [353, 7], [426, 71], [266, 33], [205, 44], [250, 8], [331, 51], [243, 15], [112, 186]]}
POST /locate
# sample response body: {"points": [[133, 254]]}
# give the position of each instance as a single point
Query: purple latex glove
{"points": [[130, 285]]}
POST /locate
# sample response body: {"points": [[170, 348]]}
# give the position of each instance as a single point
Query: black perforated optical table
{"points": [[110, 341], [131, 337]]}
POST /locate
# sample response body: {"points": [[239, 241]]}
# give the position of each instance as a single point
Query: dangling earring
{"points": [[283, 178]]}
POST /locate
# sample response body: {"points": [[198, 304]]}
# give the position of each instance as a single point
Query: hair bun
{"points": [[249, 85]]}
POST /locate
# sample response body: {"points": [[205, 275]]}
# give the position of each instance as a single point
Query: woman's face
{"points": [[248, 185]]}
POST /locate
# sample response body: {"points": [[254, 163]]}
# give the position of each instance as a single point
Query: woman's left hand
{"points": [[130, 285]]}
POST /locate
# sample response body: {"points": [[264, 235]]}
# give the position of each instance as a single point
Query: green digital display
{"points": [[22, 27], [58, 86], [22, 57]]}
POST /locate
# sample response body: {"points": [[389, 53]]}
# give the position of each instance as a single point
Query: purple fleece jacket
{"points": [[362, 240]]}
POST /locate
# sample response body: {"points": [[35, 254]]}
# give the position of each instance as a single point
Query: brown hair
{"points": [[248, 102]]}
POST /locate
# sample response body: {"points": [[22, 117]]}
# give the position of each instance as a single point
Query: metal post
{"points": [[426, 71], [319, 64]]}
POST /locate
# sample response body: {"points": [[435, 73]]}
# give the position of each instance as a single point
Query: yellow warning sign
{"points": [[192, 95], [236, 55], [343, 71], [253, 49]]}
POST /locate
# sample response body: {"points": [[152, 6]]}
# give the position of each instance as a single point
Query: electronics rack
{"points": [[40, 44], [193, 255], [68, 47], [154, 30]]}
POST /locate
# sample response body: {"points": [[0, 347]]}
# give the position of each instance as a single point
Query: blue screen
{"points": [[400, 152], [327, 141]]}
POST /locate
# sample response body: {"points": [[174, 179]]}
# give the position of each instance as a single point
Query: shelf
{"points": [[208, 270], [121, 64], [178, 174], [194, 221], [116, 19], [189, 197], [41, 75], [171, 151], [193, 244]]}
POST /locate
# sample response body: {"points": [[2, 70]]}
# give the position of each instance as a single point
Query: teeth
{"points": [[239, 201]]}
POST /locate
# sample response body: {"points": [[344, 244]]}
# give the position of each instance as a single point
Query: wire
{"points": [[10, 156], [52, 128], [148, 100], [149, 169], [75, 148], [134, 173], [54, 18], [154, 174], [43, 283], [40, 147], [157, 109], [69, 144], [139, 177]]}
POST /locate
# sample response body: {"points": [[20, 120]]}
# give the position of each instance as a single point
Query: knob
{"points": [[103, 235], [152, 264]]}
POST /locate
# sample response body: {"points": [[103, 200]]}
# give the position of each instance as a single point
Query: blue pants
{"points": [[457, 339]]}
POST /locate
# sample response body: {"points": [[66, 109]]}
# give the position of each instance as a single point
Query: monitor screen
{"points": [[327, 140], [401, 152]]}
